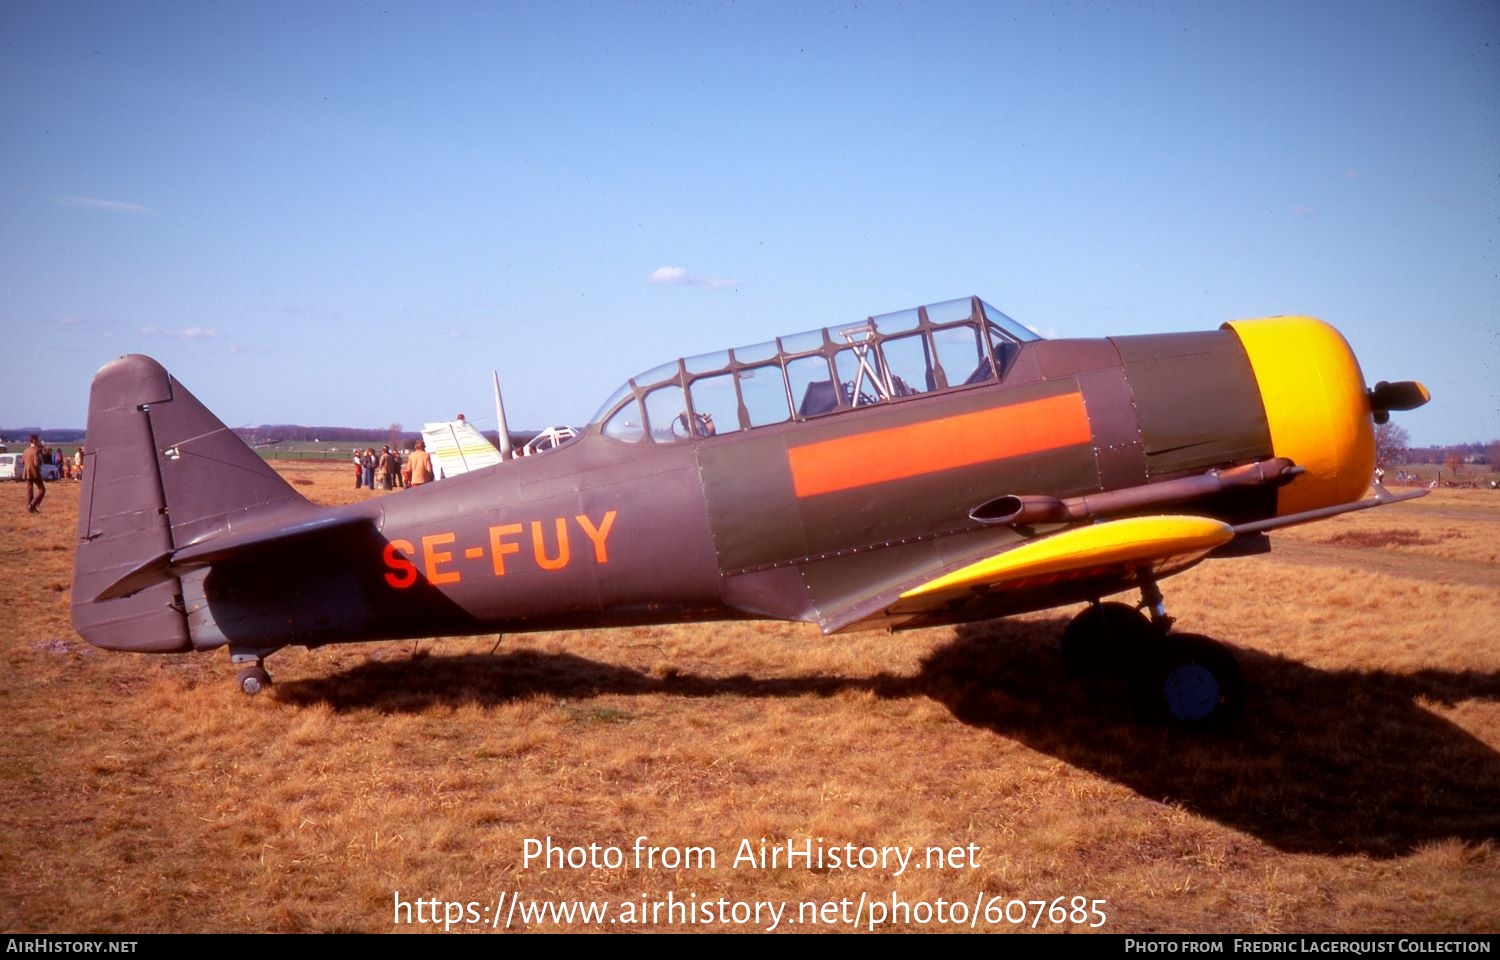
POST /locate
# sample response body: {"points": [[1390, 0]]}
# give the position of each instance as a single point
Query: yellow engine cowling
{"points": [[1317, 408]]}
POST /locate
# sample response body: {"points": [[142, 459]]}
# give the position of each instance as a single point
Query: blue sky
{"points": [[350, 213]]}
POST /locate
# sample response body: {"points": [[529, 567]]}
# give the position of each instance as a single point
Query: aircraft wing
{"points": [[1057, 568], [456, 447]]}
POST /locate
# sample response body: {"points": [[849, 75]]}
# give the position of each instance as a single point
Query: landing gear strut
{"points": [[251, 679], [1186, 679]]}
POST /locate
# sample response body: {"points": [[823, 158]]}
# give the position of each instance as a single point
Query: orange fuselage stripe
{"points": [[895, 453]]}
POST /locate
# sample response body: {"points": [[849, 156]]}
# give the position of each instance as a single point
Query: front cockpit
{"points": [[885, 359]]}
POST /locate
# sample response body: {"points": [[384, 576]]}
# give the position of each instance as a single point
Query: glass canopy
{"points": [[885, 359]]}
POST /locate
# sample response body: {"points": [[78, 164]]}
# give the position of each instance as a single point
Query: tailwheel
{"points": [[1191, 681], [1104, 637], [253, 680]]}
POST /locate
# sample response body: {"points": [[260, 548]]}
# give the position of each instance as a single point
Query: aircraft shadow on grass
{"points": [[1331, 762]]}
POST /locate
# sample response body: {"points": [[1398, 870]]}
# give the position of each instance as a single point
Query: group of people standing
{"points": [[388, 470]]}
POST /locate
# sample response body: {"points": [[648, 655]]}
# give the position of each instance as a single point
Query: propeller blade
{"points": [[1401, 395]]}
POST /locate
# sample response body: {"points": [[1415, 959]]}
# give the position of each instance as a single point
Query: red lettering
{"points": [[431, 557], [539, 549], [499, 548], [597, 534], [402, 574]]}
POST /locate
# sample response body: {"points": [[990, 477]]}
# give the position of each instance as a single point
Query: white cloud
{"points": [[679, 276], [107, 206], [183, 333]]}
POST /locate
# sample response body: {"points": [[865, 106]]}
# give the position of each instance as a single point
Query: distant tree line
{"points": [[266, 433], [51, 438], [1483, 454], [1393, 448], [296, 433]]}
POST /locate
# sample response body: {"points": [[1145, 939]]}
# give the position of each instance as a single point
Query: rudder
{"points": [[160, 473]]}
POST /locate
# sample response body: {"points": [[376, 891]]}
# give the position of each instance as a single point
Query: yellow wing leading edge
{"points": [[1165, 544]]}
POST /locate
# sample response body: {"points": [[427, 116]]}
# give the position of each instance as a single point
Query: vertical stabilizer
{"points": [[160, 473], [457, 448]]}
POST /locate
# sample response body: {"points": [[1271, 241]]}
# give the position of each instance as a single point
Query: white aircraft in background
{"points": [[456, 447]]}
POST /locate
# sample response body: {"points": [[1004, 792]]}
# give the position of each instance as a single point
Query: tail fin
{"points": [[458, 447], [161, 473]]}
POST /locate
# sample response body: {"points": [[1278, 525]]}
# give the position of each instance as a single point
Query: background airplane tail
{"points": [[160, 473], [458, 448]]}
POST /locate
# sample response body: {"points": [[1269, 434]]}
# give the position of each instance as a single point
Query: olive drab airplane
{"points": [[931, 466]]}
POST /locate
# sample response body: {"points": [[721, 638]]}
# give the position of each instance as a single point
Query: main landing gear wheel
{"points": [[1104, 637], [253, 680], [1190, 680]]}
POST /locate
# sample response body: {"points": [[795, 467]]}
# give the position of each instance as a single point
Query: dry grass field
{"points": [[1360, 792]]}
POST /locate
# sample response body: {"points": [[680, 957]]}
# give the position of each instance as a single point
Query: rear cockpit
{"points": [[933, 349]]}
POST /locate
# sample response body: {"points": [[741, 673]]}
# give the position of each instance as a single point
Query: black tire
{"points": [[1103, 638], [1190, 681], [253, 680]]}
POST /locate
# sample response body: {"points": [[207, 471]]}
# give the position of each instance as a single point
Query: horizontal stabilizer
{"points": [[280, 532]]}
